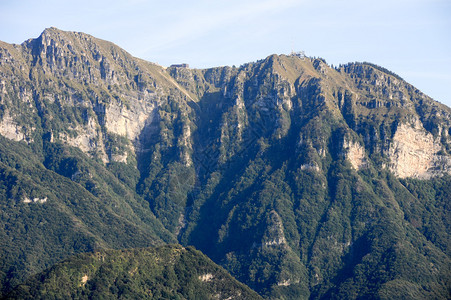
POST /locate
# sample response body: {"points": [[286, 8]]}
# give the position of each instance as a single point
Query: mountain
{"points": [[301, 179], [167, 272], [58, 196]]}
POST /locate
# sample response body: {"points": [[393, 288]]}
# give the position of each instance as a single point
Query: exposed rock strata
{"points": [[414, 152]]}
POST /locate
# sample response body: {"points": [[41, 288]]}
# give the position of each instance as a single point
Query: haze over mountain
{"points": [[302, 180]]}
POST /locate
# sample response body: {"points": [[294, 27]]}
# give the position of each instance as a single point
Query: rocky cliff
{"points": [[303, 180], [85, 92]]}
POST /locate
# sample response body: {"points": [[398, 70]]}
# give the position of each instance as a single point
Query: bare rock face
{"points": [[88, 138], [414, 152], [128, 121], [355, 153], [10, 129]]}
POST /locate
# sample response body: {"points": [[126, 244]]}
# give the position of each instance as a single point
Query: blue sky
{"points": [[409, 37]]}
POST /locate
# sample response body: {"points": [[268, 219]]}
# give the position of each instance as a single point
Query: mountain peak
{"points": [[55, 34], [50, 30]]}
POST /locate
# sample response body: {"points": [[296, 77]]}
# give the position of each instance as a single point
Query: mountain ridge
{"points": [[164, 272], [261, 167]]}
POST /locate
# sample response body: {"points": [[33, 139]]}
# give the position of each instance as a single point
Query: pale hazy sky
{"points": [[409, 37]]}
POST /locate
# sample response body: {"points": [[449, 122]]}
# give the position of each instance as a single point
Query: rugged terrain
{"points": [[301, 179]]}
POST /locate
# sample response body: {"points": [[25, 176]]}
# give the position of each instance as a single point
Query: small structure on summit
{"points": [[186, 66], [300, 54]]}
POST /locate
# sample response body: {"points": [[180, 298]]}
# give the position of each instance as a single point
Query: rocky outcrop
{"points": [[415, 152], [129, 120], [355, 153], [10, 129]]}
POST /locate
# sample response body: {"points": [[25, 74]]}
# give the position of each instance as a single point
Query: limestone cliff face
{"points": [[129, 121], [355, 153], [415, 152], [10, 129]]}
